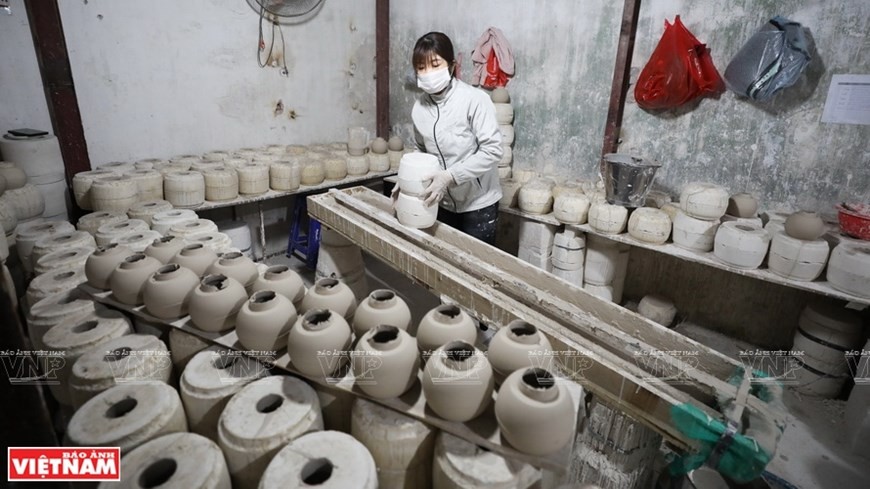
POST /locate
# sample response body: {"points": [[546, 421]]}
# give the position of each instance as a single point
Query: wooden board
{"points": [[618, 382], [622, 332], [482, 431]]}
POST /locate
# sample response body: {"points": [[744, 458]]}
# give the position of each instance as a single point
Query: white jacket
{"points": [[459, 127]]}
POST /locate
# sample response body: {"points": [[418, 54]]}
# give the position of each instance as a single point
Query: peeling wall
{"points": [[781, 152], [162, 78], [564, 52]]}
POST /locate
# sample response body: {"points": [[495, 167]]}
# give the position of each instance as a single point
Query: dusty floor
{"points": [[812, 452]]}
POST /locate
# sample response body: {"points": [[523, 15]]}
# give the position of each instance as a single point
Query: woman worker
{"points": [[456, 122]]}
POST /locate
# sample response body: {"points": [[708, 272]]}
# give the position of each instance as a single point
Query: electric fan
{"points": [[286, 11]]}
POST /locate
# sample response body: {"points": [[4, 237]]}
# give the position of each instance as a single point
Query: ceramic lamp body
{"points": [[283, 281], [264, 321], [444, 324], [804, 225], [742, 205], [101, 264], [332, 294], [166, 247], [519, 345], [385, 362], [534, 412], [167, 292], [196, 257], [216, 302], [128, 280], [237, 266], [458, 382], [381, 307], [317, 342]]}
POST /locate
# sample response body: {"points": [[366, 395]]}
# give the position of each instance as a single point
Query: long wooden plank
{"points": [[534, 286], [618, 382], [482, 431]]}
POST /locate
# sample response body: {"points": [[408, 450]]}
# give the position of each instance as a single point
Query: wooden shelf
{"points": [[818, 286], [482, 431], [303, 189]]}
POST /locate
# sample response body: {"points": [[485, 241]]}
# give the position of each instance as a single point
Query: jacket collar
{"points": [[444, 96]]}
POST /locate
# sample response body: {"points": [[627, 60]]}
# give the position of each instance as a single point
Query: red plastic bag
{"points": [[679, 70], [495, 77]]}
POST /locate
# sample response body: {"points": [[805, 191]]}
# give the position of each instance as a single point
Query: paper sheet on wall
{"points": [[848, 100]]}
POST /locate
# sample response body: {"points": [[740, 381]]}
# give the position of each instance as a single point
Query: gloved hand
{"points": [[394, 195], [438, 188]]}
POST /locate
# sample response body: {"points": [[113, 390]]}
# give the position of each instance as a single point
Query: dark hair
{"points": [[433, 42]]}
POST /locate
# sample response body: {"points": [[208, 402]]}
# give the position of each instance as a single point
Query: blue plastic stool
{"points": [[304, 244]]}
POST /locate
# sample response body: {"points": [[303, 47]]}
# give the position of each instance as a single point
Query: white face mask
{"points": [[434, 81]]}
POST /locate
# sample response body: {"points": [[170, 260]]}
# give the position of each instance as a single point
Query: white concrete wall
{"points": [[564, 51], [780, 151], [21, 96], [167, 77]]}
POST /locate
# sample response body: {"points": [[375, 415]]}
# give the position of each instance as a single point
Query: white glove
{"points": [[438, 188]]}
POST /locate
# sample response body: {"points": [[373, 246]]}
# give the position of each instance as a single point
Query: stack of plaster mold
{"points": [[824, 336], [536, 243], [356, 158], [613, 450], [605, 268], [569, 253], [21, 201], [504, 115], [701, 207], [378, 156], [339, 258]]}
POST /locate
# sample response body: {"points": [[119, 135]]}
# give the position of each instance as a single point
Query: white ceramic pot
{"points": [[215, 304], [318, 343], [332, 294], [443, 324], [196, 257], [385, 362], [164, 248], [516, 346], [381, 307], [167, 292], [457, 382], [128, 280], [264, 321], [283, 281], [535, 414], [102, 262]]}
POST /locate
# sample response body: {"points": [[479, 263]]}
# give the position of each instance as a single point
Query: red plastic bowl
{"points": [[855, 220]]}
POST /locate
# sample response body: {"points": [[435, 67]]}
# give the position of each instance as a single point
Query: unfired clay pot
{"points": [[534, 413], [237, 266], [804, 225], [283, 281], [457, 381], [128, 280], [379, 146], [103, 262], [167, 292], [385, 362], [518, 345], [216, 302], [332, 294], [318, 341], [443, 324], [196, 257], [264, 321], [381, 307], [165, 248], [742, 205]]}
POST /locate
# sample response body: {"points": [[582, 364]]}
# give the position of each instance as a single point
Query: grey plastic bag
{"points": [[774, 58]]}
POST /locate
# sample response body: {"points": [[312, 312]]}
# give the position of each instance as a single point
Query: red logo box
{"points": [[64, 464]]}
